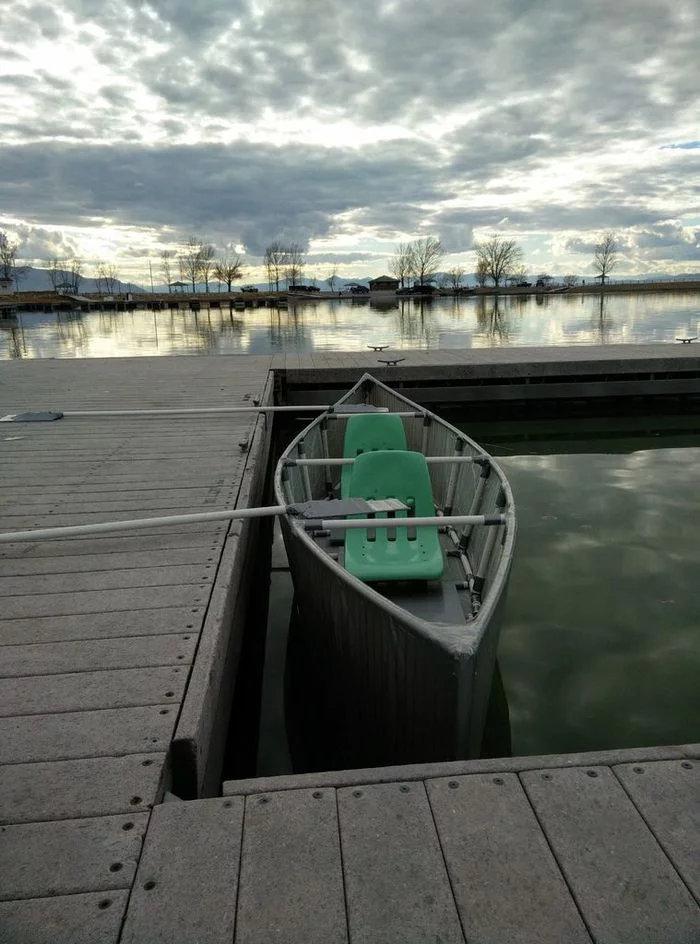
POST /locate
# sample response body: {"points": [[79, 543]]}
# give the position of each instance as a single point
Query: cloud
{"points": [[301, 119]]}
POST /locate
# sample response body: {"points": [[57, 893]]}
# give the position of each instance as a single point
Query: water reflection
{"points": [[601, 650], [351, 324]]}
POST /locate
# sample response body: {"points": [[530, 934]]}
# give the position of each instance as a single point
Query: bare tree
{"points": [[106, 277], [570, 280], [544, 277], [332, 278], [229, 269], [8, 256], [498, 256], [56, 270], [401, 264], [275, 261], [75, 273], [454, 278], [427, 254], [190, 261], [166, 268], [295, 259], [605, 258], [206, 263], [482, 272]]}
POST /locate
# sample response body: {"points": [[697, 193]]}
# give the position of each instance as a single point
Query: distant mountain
{"points": [[37, 280]]}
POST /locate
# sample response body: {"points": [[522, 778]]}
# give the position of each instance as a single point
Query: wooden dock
{"points": [[117, 656], [113, 649]]}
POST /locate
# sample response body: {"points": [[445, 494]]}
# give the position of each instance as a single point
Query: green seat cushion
{"points": [[365, 433], [401, 553]]}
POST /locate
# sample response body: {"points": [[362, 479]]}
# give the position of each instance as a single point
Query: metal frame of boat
{"points": [[397, 672]]}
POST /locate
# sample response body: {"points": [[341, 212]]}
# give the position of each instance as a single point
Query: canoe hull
{"points": [[366, 688]]}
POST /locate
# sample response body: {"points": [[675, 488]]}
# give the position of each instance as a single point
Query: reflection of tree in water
{"points": [[492, 319], [16, 344], [603, 323], [286, 329], [71, 331], [415, 320]]}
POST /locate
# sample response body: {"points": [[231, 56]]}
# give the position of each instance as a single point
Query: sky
{"points": [[127, 127]]}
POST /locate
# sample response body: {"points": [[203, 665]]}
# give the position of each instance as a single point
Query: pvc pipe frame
{"points": [[431, 460], [345, 524]]}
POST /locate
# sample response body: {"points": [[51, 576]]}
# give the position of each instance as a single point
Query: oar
{"points": [[310, 509]]}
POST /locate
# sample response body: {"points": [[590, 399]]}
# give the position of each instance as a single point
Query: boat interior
{"points": [[377, 450]]}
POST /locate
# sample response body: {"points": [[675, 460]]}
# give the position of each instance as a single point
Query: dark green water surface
{"points": [[601, 642]]}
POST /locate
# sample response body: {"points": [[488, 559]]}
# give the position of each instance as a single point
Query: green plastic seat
{"points": [[401, 553], [365, 433]]}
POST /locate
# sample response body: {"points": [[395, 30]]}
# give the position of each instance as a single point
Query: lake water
{"points": [[600, 646], [350, 324]]}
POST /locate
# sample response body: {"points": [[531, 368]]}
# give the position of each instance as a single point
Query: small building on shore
{"points": [[7, 286], [384, 283]]}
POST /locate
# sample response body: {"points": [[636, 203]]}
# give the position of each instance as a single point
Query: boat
{"points": [[393, 643]]}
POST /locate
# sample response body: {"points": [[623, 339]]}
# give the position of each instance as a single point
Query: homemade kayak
{"points": [[394, 645]]}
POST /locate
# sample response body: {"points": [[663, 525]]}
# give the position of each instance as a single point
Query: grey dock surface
{"points": [[114, 658], [110, 645]]}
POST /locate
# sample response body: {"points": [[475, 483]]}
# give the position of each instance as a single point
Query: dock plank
{"points": [[123, 652], [90, 918], [25, 566], [505, 880], [71, 735], [667, 794], [69, 856], [91, 691], [113, 579], [397, 888], [78, 626], [185, 889], [70, 789], [291, 884], [102, 601], [622, 881]]}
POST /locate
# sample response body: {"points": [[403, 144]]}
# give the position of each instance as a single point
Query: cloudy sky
{"points": [[352, 125]]}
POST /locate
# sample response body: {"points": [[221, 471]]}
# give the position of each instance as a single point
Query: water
{"points": [[350, 324], [600, 647]]}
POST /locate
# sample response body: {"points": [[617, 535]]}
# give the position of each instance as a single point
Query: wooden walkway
{"points": [[566, 851], [109, 646]]}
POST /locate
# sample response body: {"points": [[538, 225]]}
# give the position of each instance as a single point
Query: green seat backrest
{"points": [[398, 553], [365, 433]]}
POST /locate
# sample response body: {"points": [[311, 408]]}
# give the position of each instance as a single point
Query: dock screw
{"points": [[149, 885], [127, 826], [104, 903], [686, 764], [227, 803], [115, 867], [453, 784], [546, 776], [135, 800], [357, 793], [317, 794], [592, 773], [263, 800], [638, 770], [404, 789], [498, 780]]}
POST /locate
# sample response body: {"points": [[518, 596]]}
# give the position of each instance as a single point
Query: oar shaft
{"points": [[108, 527]]}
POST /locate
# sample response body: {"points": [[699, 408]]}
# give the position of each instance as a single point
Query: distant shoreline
{"points": [[48, 298]]}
